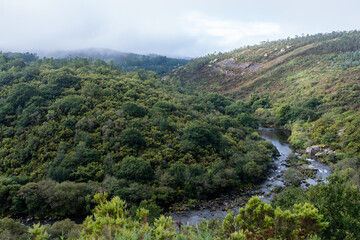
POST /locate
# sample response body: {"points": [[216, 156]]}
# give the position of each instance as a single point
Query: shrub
{"points": [[134, 110], [132, 138], [136, 169], [202, 135]]}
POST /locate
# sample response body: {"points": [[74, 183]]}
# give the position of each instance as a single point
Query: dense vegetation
{"points": [[72, 128]]}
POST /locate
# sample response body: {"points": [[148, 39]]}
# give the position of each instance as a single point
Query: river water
{"points": [[275, 179]]}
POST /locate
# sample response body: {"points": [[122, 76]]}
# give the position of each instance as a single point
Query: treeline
{"points": [[159, 64]]}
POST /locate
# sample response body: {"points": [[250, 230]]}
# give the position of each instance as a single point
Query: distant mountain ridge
{"points": [[127, 61]]}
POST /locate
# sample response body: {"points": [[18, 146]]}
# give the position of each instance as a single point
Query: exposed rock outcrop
{"points": [[319, 151]]}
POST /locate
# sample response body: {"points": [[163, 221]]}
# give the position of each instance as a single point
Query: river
{"points": [[275, 179]]}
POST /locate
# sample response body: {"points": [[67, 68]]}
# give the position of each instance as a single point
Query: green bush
{"points": [[71, 104], [135, 169], [134, 110], [202, 135], [132, 138]]}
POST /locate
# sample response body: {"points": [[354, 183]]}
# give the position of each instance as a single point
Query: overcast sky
{"points": [[173, 28]]}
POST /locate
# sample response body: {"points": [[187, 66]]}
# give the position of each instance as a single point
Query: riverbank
{"points": [[273, 184]]}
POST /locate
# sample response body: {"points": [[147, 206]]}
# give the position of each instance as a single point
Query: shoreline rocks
{"points": [[318, 151]]}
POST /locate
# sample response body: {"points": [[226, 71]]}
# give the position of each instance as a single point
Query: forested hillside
{"points": [[67, 123]]}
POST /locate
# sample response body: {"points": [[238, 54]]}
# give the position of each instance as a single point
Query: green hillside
{"points": [[66, 123], [309, 85]]}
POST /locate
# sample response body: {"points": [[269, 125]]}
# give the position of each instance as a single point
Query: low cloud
{"points": [[174, 28], [226, 34]]}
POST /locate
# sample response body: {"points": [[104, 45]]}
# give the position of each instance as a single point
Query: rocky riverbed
{"points": [[309, 172]]}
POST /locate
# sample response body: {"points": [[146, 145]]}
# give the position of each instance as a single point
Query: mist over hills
{"points": [[127, 61]]}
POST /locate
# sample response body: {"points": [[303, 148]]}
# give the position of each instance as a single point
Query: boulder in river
{"points": [[313, 150], [319, 151]]}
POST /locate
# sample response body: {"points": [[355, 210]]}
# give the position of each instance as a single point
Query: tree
{"points": [[20, 94], [202, 135], [132, 138], [258, 220], [69, 105], [236, 108], [135, 169], [283, 114], [59, 174], [63, 78], [134, 110], [339, 202], [165, 107]]}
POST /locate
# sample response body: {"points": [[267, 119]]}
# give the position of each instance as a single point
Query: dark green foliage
{"points": [[247, 120], [64, 228], [6, 78], [154, 210], [202, 135], [108, 164], [250, 167], [30, 116], [129, 62], [132, 94], [236, 108], [312, 103], [27, 57], [144, 75], [178, 172], [11, 229], [31, 73], [165, 107], [227, 122], [59, 174], [20, 94], [283, 114], [135, 169], [63, 78], [132, 138], [134, 110], [338, 201], [48, 198], [50, 91], [84, 155], [8, 190], [68, 105], [217, 101], [305, 114], [257, 101]]}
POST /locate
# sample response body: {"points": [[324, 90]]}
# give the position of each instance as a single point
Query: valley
{"points": [[82, 139]]}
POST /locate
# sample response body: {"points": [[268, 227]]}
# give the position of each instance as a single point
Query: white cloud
{"points": [[226, 33]]}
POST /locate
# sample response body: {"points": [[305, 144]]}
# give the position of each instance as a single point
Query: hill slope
{"points": [[308, 84]]}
